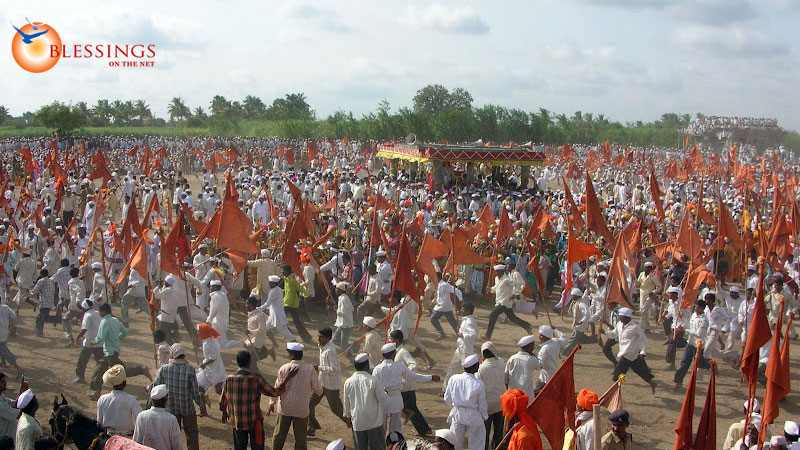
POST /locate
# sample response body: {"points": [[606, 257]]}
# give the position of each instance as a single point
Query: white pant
{"points": [[736, 333], [475, 433], [711, 350], [284, 330], [647, 311], [393, 422]]}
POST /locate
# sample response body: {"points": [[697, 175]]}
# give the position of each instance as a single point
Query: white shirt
{"points": [[698, 327], [549, 355], [90, 323], [117, 410], [274, 304], [257, 328], [404, 357], [631, 338], [28, 430], [504, 287], [519, 371], [385, 277], [344, 312], [467, 396], [170, 302], [218, 312], [330, 373], [7, 317], [469, 333], [364, 400], [491, 372], [158, 428], [77, 293], [443, 292], [391, 375]]}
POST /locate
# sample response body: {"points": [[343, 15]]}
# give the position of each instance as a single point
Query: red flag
{"points": [[696, 276], [176, 242], [27, 156], [706, 436], [758, 334], [683, 426], [594, 216], [777, 378], [554, 408], [290, 254], [138, 262], [779, 238]]}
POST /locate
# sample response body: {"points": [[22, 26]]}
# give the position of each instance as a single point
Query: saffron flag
{"points": [[683, 426], [706, 436], [594, 216], [758, 334], [777, 377], [554, 408], [576, 251], [176, 242]]}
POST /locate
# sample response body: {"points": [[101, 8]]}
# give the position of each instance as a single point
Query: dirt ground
{"points": [[50, 368]]}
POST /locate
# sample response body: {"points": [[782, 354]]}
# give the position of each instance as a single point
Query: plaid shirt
{"points": [[241, 398], [181, 382], [45, 289]]}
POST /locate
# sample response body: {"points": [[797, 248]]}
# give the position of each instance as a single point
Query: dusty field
{"points": [[50, 368]]}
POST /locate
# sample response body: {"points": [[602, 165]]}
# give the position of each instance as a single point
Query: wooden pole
{"points": [[189, 314]]}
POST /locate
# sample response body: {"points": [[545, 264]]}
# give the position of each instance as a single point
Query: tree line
{"points": [[435, 115]]}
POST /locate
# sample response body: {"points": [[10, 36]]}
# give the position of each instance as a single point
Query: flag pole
{"points": [[189, 314]]}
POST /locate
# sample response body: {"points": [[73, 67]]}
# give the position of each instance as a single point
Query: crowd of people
{"points": [[297, 229], [705, 124]]}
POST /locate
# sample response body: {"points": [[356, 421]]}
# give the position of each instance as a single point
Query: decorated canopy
{"points": [[496, 156]]}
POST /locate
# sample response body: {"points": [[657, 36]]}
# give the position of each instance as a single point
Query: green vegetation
{"points": [[437, 114]]}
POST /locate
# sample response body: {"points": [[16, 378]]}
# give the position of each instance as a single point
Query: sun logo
{"points": [[31, 46]]}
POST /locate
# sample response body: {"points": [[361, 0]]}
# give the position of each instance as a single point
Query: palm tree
{"points": [[118, 112], [254, 108], [199, 113], [142, 110], [220, 106], [177, 109], [3, 114], [101, 113]]}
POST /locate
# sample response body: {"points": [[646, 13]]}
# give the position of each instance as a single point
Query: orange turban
{"points": [[205, 331], [586, 399]]}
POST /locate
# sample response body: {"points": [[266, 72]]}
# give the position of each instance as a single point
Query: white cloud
{"points": [[729, 41], [437, 17]]}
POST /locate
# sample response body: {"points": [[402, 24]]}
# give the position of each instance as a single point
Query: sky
{"points": [[627, 59]]}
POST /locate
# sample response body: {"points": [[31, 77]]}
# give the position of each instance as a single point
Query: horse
{"points": [[68, 425]]}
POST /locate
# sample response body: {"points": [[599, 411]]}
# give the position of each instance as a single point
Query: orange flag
{"points": [[777, 378], [702, 212], [576, 251], [706, 436], [554, 408], [138, 262], [727, 228], [696, 276], [655, 193], [594, 216], [431, 249], [404, 279], [683, 426], [539, 223], [779, 238], [234, 226], [758, 334], [577, 220], [176, 242], [486, 219], [619, 268], [688, 241], [504, 228]]}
